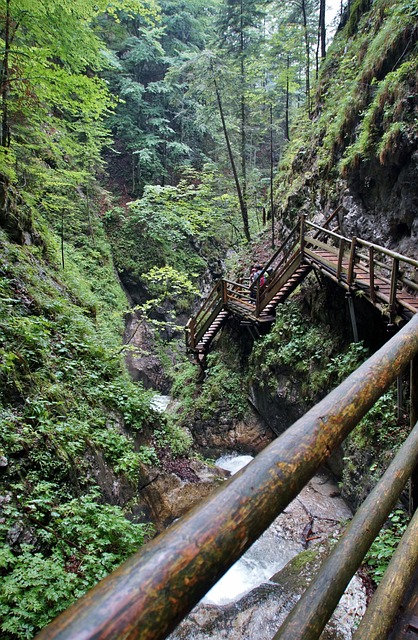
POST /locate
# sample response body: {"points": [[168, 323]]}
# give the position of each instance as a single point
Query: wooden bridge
{"points": [[388, 280]]}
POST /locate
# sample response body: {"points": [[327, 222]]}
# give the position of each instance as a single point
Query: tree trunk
{"points": [[307, 67], [322, 28], [271, 178], [242, 202], [5, 82], [243, 122], [321, 42]]}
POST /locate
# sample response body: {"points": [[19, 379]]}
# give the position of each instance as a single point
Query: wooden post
{"points": [[350, 274], [371, 274], [413, 420], [352, 316], [302, 235], [393, 286], [224, 292], [340, 258]]}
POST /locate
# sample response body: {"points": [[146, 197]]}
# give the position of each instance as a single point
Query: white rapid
{"points": [[263, 559], [246, 604], [160, 403]]}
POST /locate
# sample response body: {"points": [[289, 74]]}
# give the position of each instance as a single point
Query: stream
{"points": [[255, 595], [263, 559]]}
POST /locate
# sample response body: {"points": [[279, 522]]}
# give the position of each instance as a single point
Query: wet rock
{"points": [[281, 407], [223, 433], [116, 489], [142, 360], [168, 496], [309, 524]]}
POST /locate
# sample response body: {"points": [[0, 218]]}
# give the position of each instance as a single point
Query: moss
{"points": [[297, 574], [357, 9]]}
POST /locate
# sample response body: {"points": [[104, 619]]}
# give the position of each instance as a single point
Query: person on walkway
{"points": [[259, 275]]}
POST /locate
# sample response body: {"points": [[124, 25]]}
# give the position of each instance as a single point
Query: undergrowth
{"points": [[67, 407], [223, 390], [304, 351]]}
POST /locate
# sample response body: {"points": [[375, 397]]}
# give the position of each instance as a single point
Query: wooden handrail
{"points": [[146, 597], [366, 243], [279, 251], [306, 241]]}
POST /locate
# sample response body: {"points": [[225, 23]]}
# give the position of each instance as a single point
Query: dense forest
{"points": [[147, 148]]}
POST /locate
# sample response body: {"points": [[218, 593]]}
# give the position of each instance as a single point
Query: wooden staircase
{"points": [[204, 343], [388, 280]]}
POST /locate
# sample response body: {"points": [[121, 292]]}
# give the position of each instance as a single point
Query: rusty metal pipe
{"points": [[148, 595], [382, 610], [310, 615]]}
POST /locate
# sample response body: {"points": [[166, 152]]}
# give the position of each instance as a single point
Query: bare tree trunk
{"points": [[286, 119], [5, 82], [322, 28], [243, 112], [271, 178], [321, 42], [242, 202], [307, 66]]}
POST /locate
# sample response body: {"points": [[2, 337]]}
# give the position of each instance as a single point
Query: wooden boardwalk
{"points": [[388, 280]]}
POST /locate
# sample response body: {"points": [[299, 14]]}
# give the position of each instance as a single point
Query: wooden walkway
{"points": [[388, 280]]}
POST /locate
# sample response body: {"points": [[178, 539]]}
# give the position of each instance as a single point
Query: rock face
{"points": [[223, 433], [380, 203], [171, 495], [309, 523], [281, 407], [142, 360]]}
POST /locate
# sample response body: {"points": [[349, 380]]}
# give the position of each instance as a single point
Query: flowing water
{"points": [[263, 559], [160, 403], [245, 604]]}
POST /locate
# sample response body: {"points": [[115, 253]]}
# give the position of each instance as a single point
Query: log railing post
{"points": [[371, 275], [393, 288], [224, 292], [350, 274], [413, 420], [302, 235], [340, 258]]}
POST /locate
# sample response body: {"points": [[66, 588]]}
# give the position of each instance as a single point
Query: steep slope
{"points": [[74, 429], [358, 150]]}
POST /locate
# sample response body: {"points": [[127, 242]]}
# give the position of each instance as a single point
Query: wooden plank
{"points": [[322, 245]]}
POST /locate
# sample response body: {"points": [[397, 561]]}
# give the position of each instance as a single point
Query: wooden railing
{"points": [[200, 323], [147, 596], [384, 277], [380, 273]]}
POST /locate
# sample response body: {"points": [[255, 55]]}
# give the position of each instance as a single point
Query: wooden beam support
{"points": [[382, 610]]}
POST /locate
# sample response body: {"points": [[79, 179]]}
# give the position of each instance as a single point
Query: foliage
{"points": [[53, 106], [66, 406], [369, 449], [168, 237], [155, 124], [223, 389], [365, 116], [302, 349], [88, 539], [381, 551], [171, 435], [223, 385]]}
